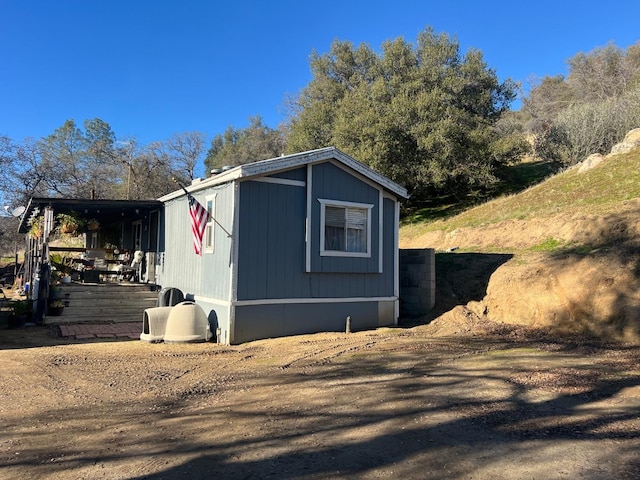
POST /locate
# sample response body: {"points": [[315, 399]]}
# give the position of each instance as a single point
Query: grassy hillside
{"points": [[598, 191], [564, 254]]}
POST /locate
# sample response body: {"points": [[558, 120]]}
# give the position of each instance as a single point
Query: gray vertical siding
{"points": [[207, 275], [271, 240], [268, 292], [299, 174], [272, 249], [253, 322], [333, 183]]}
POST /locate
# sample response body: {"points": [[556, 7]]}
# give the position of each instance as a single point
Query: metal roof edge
{"points": [[219, 179], [372, 174], [270, 165]]}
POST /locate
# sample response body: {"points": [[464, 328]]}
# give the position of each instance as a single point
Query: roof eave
{"points": [[276, 164], [79, 204]]}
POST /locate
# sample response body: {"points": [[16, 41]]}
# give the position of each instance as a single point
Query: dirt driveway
{"points": [[392, 403]]}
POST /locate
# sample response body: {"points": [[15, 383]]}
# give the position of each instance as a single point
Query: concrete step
{"points": [[115, 304], [85, 319], [104, 303], [106, 309], [108, 290]]}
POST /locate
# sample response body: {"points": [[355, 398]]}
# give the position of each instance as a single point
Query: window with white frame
{"points": [[209, 232], [345, 228]]}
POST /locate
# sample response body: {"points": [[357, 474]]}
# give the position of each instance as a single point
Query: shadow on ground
{"points": [[405, 413]]}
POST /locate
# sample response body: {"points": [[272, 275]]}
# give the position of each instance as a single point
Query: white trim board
{"points": [[324, 202], [278, 301], [308, 219], [213, 301], [279, 181]]}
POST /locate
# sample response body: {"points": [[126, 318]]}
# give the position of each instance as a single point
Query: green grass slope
{"points": [[563, 254], [601, 190]]}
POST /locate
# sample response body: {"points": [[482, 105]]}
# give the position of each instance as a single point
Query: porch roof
{"points": [[106, 211]]}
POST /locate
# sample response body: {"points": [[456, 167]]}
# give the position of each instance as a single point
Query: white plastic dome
{"points": [[187, 322], [154, 322]]}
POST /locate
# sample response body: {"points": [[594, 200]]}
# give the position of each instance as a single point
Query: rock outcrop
{"points": [[631, 141], [591, 161]]}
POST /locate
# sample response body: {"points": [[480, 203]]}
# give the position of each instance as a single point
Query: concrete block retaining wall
{"points": [[417, 281]]}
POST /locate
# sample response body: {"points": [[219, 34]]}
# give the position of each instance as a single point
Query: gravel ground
{"points": [[438, 401]]}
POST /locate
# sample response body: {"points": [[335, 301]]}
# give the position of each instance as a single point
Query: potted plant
{"points": [[22, 311], [93, 224], [69, 223], [37, 227], [63, 266], [56, 307]]}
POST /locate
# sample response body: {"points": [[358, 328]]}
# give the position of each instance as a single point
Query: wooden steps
{"points": [[104, 303]]}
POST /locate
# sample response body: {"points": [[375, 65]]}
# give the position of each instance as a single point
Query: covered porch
{"points": [[88, 241]]}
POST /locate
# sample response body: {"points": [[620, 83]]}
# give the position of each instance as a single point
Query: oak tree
{"points": [[425, 115]]}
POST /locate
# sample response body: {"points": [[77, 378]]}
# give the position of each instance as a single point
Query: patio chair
{"points": [[132, 272]]}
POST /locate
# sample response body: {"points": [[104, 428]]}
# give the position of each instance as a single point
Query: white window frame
{"points": [[210, 230], [324, 203]]}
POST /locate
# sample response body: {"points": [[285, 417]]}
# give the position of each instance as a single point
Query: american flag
{"points": [[199, 218]]}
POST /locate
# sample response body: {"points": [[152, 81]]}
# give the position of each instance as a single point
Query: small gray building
{"points": [[296, 245]]}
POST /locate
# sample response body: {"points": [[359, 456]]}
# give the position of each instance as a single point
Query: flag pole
{"points": [[212, 217]]}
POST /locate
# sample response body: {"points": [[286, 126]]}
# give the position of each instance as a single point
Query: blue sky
{"points": [[154, 68]]}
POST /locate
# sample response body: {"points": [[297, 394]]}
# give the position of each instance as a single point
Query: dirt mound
{"points": [[586, 282], [597, 295]]}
